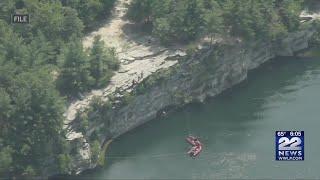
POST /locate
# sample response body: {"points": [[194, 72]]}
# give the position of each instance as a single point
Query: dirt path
{"points": [[140, 56]]}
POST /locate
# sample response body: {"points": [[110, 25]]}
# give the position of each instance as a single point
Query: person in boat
{"points": [[193, 141], [196, 146], [190, 140], [197, 142], [192, 149]]}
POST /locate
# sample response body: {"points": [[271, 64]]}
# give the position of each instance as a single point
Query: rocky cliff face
{"points": [[205, 74]]}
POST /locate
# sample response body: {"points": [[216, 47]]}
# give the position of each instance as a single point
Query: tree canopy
{"points": [[39, 63], [186, 20]]}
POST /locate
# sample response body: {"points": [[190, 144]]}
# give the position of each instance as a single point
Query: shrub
{"points": [[95, 151], [64, 162]]}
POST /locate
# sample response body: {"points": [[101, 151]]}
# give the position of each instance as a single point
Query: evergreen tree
{"points": [[31, 121], [5, 112], [12, 46], [31, 109], [6, 9], [102, 62], [289, 12], [90, 11], [75, 75], [72, 25], [186, 20], [140, 10], [41, 51], [213, 20], [6, 160]]}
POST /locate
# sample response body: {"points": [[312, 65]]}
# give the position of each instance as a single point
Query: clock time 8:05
{"points": [[295, 133]]}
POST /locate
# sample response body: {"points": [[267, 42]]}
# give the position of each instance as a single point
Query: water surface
{"points": [[237, 129]]}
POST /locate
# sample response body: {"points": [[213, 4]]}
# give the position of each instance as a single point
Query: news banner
{"points": [[289, 145]]}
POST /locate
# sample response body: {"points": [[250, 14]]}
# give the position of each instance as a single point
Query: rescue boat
{"points": [[196, 146], [191, 140], [195, 152]]}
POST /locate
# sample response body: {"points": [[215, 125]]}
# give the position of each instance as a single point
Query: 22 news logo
{"points": [[289, 145]]}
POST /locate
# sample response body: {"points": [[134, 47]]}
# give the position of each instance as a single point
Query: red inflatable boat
{"points": [[191, 140], [196, 146]]}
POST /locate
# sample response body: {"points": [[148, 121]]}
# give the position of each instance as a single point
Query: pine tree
{"points": [[6, 160], [41, 51], [214, 21], [75, 75], [30, 121], [102, 62], [72, 25]]}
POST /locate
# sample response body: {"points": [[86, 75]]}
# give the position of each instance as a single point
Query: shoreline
{"points": [[229, 69], [207, 73], [102, 158], [312, 52]]}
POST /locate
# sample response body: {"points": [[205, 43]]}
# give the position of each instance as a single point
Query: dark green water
{"points": [[237, 129]]}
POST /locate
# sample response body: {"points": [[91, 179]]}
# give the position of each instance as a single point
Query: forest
{"points": [[185, 21], [43, 64]]}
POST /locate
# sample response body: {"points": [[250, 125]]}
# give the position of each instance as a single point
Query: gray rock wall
{"points": [[206, 74]]}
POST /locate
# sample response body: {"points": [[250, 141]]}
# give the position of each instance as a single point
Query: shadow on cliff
{"points": [[141, 34]]}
